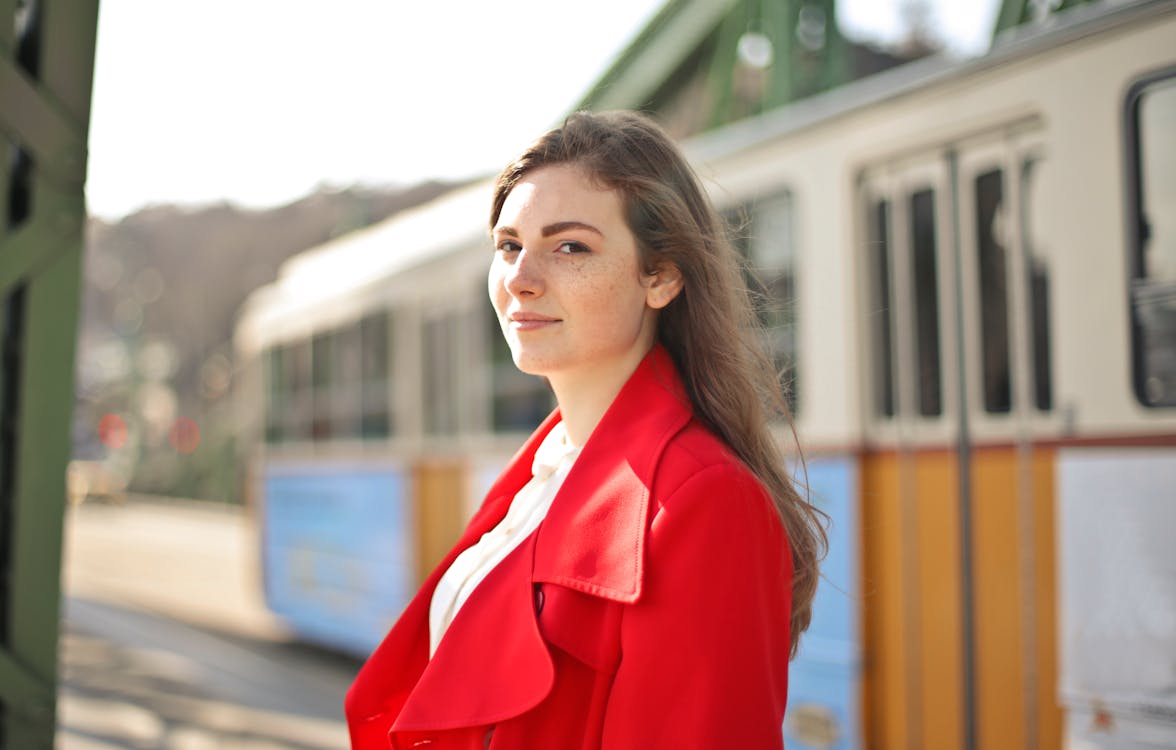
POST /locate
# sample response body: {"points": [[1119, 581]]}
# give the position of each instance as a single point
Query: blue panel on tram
{"points": [[338, 552], [825, 679]]}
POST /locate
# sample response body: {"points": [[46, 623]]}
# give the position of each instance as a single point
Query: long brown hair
{"points": [[710, 329]]}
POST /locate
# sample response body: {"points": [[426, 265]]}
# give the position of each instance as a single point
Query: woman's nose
{"points": [[524, 276]]}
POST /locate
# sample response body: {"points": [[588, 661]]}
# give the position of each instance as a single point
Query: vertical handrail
{"points": [[964, 458]]}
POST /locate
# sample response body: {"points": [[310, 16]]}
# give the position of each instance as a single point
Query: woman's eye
{"points": [[570, 247], [509, 246]]}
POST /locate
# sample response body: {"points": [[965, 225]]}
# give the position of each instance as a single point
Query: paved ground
{"points": [[165, 643]]}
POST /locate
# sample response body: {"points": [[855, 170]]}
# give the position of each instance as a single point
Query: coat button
{"points": [[539, 599]]}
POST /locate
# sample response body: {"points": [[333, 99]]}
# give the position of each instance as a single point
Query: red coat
{"points": [[649, 610]]}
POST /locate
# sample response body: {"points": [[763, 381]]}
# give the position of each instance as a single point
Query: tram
{"points": [[969, 270]]}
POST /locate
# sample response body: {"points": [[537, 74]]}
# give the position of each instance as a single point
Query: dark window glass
{"points": [[772, 259], [375, 376], [322, 354], [440, 375], [738, 228], [345, 392], [992, 260], [276, 394], [881, 312], [1038, 280], [1153, 289], [925, 276], [762, 233], [297, 372]]}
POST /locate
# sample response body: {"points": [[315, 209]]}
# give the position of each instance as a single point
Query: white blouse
{"points": [[553, 461]]}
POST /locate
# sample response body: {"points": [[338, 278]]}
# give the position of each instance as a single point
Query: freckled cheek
{"points": [[614, 295]]}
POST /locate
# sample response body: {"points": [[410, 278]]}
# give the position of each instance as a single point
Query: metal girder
{"points": [[28, 698], [42, 453], [34, 119], [24, 250], [794, 71], [1014, 13], [46, 69]]}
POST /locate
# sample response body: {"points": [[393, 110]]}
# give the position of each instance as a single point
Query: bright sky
{"points": [[258, 102]]}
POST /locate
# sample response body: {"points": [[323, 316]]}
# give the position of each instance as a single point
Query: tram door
{"points": [[957, 503]]}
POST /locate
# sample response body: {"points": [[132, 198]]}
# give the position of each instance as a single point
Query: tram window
{"points": [[298, 386], [994, 298], [763, 234], [1152, 115], [773, 261], [276, 395], [518, 401], [440, 375], [323, 365], [881, 312], [345, 396], [1038, 280], [374, 387], [925, 275]]}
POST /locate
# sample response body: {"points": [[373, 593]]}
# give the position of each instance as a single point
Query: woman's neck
{"points": [[585, 397]]}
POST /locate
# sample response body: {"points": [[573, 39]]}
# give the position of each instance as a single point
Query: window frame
{"points": [[740, 219], [896, 182], [1133, 211]]}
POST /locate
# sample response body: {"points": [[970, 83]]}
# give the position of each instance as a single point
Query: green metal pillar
{"points": [[808, 55], [46, 70], [1015, 13]]}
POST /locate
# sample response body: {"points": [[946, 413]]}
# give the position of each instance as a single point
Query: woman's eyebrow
{"points": [[550, 229], [563, 226]]}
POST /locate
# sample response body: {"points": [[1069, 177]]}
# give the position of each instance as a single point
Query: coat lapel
{"points": [[493, 663], [593, 538], [392, 671], [483, 646]]}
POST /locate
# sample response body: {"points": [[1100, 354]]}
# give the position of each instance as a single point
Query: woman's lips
{"points": [[531, 321]]}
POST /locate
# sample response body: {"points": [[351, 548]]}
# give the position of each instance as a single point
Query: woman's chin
{"points": [[530, 364]]}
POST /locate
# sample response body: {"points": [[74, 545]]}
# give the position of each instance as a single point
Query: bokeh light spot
{"points": [[184, 435], [112, 431]]}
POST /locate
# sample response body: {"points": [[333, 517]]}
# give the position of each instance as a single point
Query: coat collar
{"points": [[593, 538], [493, 662]]}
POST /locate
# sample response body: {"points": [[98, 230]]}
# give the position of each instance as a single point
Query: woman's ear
{"points": [[662, 285]]}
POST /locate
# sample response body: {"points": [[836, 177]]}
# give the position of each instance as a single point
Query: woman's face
{"points": [[567, 282]]}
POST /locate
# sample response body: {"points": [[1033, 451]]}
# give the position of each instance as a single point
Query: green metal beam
{"points": [[653, 55], [1014, 13], [43, 451], [44, 112], [33, 118], [25, 250], [29, 698]]}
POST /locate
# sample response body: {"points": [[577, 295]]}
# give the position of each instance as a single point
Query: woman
{"points": [[640, 574]]}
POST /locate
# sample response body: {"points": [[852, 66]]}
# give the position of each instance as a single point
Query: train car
{"points": [[969, 272]]}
